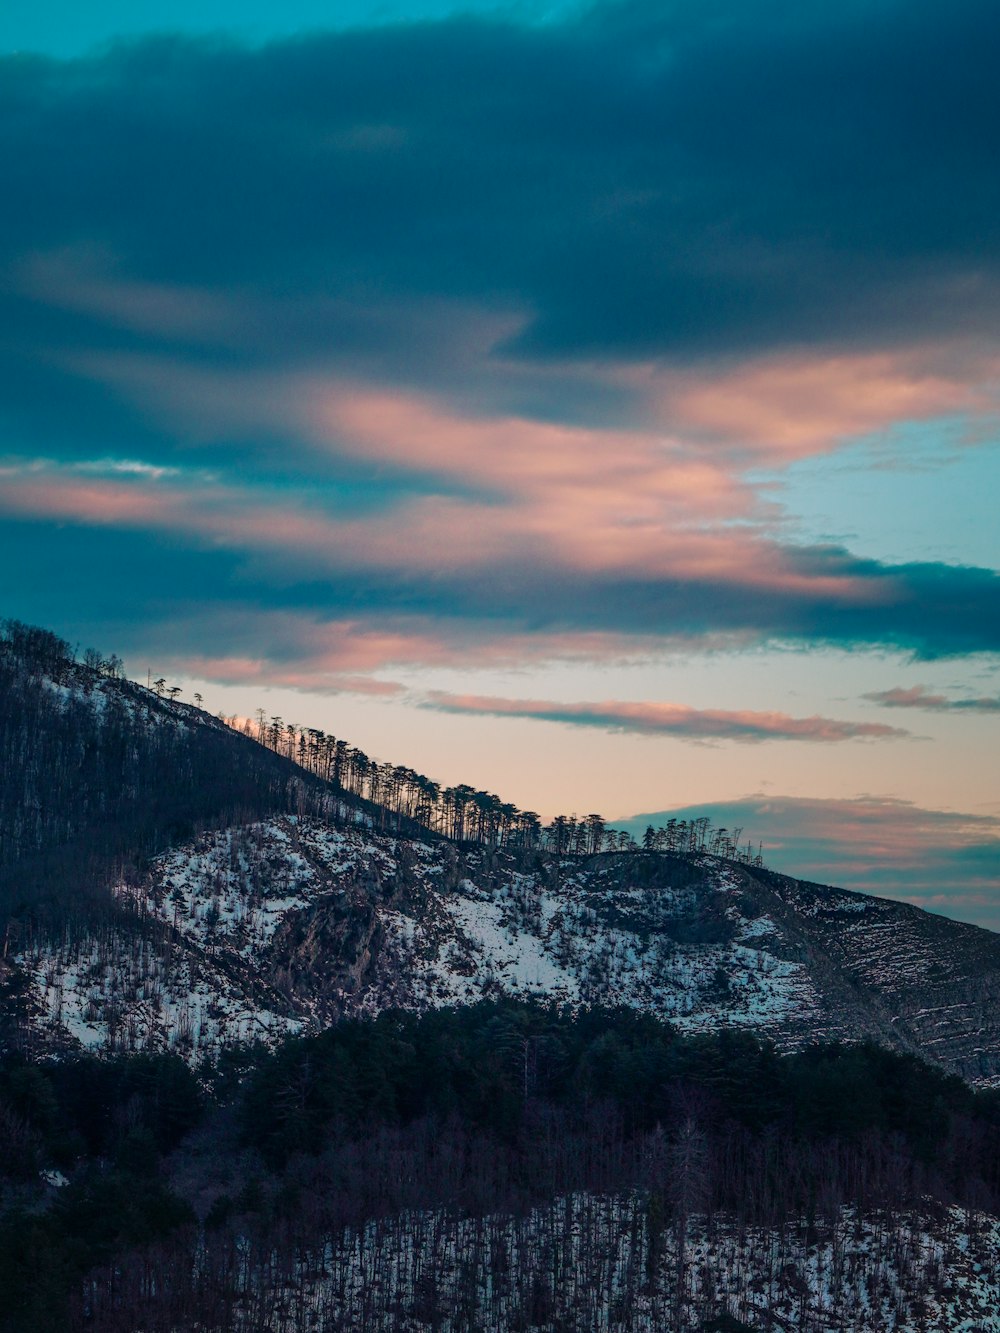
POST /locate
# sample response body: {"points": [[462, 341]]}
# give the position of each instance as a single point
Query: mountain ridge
{"points": [[242, 896]]}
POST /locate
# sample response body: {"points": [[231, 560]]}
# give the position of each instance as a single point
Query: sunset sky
{"points": [[597, 404]]}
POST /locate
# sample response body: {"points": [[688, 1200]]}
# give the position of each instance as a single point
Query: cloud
{"points": [[782, 407], [315, 678], [662, 719], [126, 466], [495, 571], [944, 861], [298, 647], [477, 325], [757, 182], [917, 696]]}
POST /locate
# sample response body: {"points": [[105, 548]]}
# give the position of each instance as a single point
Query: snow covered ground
{"points": [[583, 1265], [523, 938]]}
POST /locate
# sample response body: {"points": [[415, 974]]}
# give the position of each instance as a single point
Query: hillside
{"points": [[316, 1064], [500, 1166], [100, 773], [919, 1272], [169, 883], [287, 924]]}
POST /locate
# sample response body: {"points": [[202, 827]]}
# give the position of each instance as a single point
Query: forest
{"points": [[97, 777], [244, 1178]]}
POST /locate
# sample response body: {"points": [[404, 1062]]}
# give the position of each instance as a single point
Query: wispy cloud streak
{"points": [[471, 562], [918, 696], [666, 719]]}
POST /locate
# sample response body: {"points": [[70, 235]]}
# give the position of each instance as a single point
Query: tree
{"points": [[688, 1159], [595, 832]]}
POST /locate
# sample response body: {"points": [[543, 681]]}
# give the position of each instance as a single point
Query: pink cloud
{"points": [[780, 408], [314, 676], [916, 696], [436, 533], [593, 498], [666, 498], [877, 828], [306, 653], [760, 410], [217, 514], [634, 471], [666, 719], [530, 502], [599, 501]]}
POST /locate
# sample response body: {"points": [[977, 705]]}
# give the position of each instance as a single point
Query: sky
{"points": [[595, 403]]}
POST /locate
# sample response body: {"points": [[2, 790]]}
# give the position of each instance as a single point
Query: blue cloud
{"points": [[666, 719], [745, 179], [917, 696]]}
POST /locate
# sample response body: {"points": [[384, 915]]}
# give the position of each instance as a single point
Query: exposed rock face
{"points": [[286, 924]]}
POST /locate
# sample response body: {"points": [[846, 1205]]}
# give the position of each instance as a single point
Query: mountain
{"points": [[287, 924], [277, 1051], [171, 884]]}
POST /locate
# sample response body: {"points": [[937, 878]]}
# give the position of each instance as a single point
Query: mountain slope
{"points": [[98, 774], [166, 882], [286, 924]]}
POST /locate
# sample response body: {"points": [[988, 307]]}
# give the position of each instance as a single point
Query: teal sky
{"points": [[66, 29], [917, 492], [597, 404]]}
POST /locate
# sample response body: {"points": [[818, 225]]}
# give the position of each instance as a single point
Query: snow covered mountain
{"points": [[169, 883], [284, 924]]}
